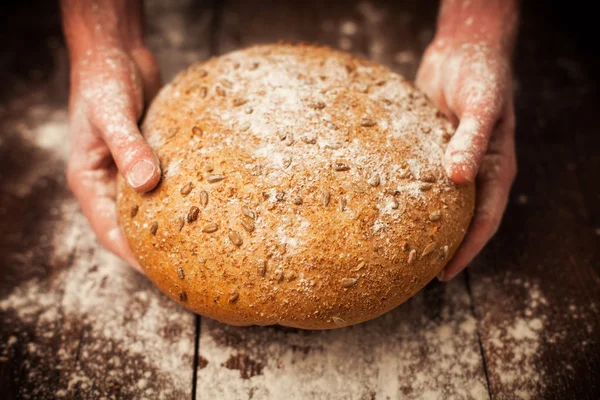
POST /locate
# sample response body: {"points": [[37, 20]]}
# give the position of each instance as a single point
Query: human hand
{"points": [[108, 88], [112, 77], [468, 77]]}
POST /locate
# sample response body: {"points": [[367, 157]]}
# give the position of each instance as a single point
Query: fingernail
{"points": [[140, 173], [441, 276]]}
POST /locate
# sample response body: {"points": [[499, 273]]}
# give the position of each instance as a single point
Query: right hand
{"points": [[109, 88]]}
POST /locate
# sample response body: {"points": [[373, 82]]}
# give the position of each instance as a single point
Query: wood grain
{"points": [[408, 352], [523, 322], [76, 322], [536, 285]]}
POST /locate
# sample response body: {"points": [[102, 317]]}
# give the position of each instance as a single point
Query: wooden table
{"points": [[522, 322]]}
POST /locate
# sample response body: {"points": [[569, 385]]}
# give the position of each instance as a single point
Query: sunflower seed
{"points": [[154, 228], [180, 273], [185, 190], [367, 122], [249, 110], [239, 102], [245, 127], [181, 223], [428, 177], [220, 91], [340, 166], [210, 228], [227, 83], [193, 214], [182, 296], [253, 66], [445, 250], [247, 224], [358, 188], [280, 195], [248, 212], [278, 275], [330, 125], [204, 198], [342, 203], [428, 249], [360, 266], [435, 216], [203, 91], [333, 146], [403, 173], [235, 238], [411, 256], [425, 187], [426, 129], [261, 268], [374, 180], [319, 105], [309, 140], [289, 139], [282, 248], [197, 131], [214, 178], [298, 200], [338, 321], [134, 210], [348, 282], [287, 161], [325, 197], [233, 296], [290, 276]]}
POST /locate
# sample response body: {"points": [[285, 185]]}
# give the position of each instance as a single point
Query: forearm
{"points": [[110, 23], [492, 21]]}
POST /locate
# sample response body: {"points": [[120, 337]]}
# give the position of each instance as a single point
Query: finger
{"points": [[116, 123], [148, 67], [469, 144], [495, 178], [92, 181], [428, 80]]}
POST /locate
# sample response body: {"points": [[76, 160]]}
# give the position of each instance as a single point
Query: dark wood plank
{"points": [[536, 287], [75, 321], [427, 347]]}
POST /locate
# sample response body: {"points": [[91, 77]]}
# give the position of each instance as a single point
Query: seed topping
{"points": [[214, 178], [204, 198], [235, 238], [374, 180], [185, 190], [193, 214], [348, 282], [210, 228]]}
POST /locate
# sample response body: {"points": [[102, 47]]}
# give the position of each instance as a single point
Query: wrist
{"points": [[111, 24], [493, 22]]}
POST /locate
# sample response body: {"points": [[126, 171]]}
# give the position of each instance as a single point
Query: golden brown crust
{"points": [[302, 186]]}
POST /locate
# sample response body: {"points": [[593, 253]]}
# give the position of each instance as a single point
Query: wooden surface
{"points": [[522, 322]]}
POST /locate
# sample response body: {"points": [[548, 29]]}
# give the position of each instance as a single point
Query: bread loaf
{"points": [[301, 186]]}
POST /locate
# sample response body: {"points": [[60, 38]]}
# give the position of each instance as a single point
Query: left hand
{"points": [[471, 83]]}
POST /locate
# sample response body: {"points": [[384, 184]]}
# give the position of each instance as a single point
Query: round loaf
{"points": [[301, 186]]}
